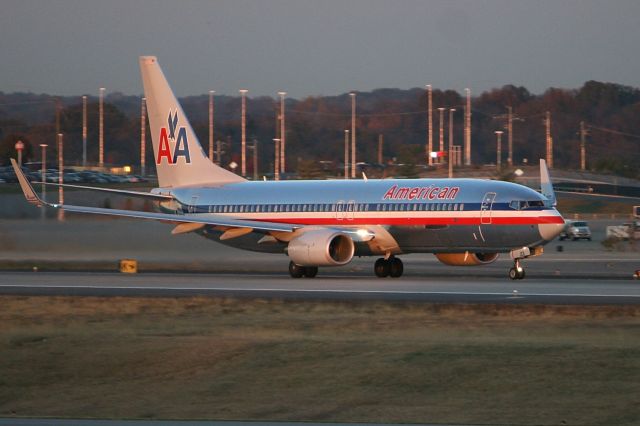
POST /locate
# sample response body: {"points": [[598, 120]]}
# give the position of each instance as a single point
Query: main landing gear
{"points": [[297, 271], [391, 267]]}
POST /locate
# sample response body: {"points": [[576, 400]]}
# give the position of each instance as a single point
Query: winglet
{"points": [[546, 187], [27, 189]]}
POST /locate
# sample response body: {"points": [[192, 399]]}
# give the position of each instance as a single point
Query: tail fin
{"points": [[180, 159], [546, 187]]}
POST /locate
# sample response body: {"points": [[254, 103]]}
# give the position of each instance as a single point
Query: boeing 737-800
{"points": [[326, 223]]}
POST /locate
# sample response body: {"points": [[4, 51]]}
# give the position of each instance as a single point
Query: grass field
{"points": [[197, 358]]}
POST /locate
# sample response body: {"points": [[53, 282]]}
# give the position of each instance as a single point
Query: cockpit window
{"points": [[522, 205]]}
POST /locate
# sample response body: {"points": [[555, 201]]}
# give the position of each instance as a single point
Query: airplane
{"points": [[324, 223]]}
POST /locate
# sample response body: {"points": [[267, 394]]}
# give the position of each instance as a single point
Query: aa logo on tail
{"points": [[178, 137]]}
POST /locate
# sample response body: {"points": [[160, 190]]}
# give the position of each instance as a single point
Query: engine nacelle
{"points": [[321, 248], [466, 259]]}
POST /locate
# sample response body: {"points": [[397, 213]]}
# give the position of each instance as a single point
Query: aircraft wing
{"points": [[33, 198], [181, 218], [149, 195]]}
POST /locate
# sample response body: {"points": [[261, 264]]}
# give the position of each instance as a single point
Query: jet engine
{"points": [[466, 259], [321, 248]]}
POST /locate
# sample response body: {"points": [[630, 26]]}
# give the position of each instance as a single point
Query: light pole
{"points": [[583, 151], [255, 158], [243, 162], [451, 111], [549, 139], [510, 136], [84, 131], [441, 129], [353, 135], [60, 177], [346, 154], [143, 136], [276, 168], [211, 92], [282, 132], [467, 129], [498, 149], [101, 129], [19, 146], [429, 123], [43, 171]]}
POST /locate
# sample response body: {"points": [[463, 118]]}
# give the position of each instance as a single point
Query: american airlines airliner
{"points": [[463, 222]]}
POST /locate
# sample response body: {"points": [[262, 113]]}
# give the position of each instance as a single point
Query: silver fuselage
{"points": [[421, 215]]}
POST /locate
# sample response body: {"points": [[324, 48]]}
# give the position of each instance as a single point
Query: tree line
{"points": [[315, 126]]}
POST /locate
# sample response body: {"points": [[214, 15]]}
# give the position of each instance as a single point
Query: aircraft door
{"points": [[193, 205], [485, 208], [351, 207]]}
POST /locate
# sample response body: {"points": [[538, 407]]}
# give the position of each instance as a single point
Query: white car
{"points": [[576, 230]]}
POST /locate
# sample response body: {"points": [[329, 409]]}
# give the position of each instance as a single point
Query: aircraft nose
{"points": [[548, 231]]}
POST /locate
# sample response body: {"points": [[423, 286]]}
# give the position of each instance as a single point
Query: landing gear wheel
{"points": [[513, 273], [516, 273], [382, 268], [396, 268], [310, 271], [296, 271]]}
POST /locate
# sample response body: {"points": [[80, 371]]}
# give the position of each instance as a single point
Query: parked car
{"points": [[576, 230]]}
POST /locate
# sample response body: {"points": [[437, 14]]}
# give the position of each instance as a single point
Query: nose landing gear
{"points": [[517, 272]]}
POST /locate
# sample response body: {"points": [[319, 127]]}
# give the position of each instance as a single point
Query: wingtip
{"points": [[26, 187], [546, 186]]}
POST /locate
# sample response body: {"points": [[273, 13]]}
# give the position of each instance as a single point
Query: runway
{"points": [[448, 289]]}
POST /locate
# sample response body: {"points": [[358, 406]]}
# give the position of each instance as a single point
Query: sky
{"points": [[317, 47]]}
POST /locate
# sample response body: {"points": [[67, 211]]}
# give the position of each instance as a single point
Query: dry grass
{"points": [[349, 362]]}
